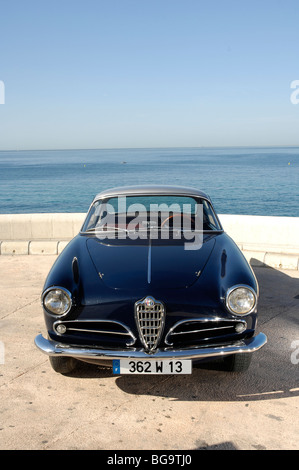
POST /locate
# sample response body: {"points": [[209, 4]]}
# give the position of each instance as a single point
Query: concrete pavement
{"points": [[92, 409]]}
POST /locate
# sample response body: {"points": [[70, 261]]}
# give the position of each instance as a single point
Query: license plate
{"points": [[132, 366]]}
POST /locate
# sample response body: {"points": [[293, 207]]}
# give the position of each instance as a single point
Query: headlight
{"points": [[241, 300], [57, 300]]}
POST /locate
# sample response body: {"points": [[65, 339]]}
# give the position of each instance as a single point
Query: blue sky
{"points": [[148, 73]]}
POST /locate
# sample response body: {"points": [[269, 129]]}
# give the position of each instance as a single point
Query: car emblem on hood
{"points": [[149, 302], [150, 319]]}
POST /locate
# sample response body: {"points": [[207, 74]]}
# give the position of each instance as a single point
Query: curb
{"points": [[32, 247]]}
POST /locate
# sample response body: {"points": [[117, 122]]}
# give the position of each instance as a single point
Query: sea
{"points": [[239, 180]]}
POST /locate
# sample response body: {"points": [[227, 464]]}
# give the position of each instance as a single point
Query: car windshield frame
{"points": [[189, 207]]}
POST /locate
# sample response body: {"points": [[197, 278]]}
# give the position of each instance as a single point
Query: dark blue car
{"points": [[151, 285]]}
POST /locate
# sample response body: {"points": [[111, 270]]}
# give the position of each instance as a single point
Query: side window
{"points": [[92, 217], [209, 217]]}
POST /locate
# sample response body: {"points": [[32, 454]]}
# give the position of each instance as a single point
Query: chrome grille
{"points": [[150, 319], [202, 330], [101, 328]]}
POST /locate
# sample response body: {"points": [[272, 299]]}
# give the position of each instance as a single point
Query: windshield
{"points": [[140, 213]]}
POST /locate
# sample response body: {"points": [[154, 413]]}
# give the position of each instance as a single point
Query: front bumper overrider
{"points": [[54, 348]]}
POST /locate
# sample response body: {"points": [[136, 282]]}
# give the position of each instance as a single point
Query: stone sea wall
{"points": [[269, 241]]}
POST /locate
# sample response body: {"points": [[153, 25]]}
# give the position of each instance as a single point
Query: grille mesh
{"points": [[150, 322]]}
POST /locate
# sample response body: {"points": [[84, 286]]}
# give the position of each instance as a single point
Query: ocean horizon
{"points": [[239, 180]]}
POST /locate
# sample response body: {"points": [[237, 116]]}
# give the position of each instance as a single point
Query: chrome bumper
{"points": [[53, 348]]}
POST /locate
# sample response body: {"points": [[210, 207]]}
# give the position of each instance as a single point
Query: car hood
{"points": [[127, 264]]}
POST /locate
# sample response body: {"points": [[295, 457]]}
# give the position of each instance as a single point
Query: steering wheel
{"points": [[176, 215]]}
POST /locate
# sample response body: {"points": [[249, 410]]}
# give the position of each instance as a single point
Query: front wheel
{"points": [[63, 365], [237, 362]]}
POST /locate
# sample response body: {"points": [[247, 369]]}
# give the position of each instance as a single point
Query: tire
{"points": [[63, 365], [237, 362]]}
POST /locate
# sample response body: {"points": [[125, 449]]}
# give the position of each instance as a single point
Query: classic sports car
{"points": [[151, 285]]}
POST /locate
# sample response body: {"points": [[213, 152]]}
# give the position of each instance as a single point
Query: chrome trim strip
{"points": [[203, 329], [53, 348], [99, 331], [149, 262]]}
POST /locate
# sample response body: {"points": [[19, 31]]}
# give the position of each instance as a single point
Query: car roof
{"points": [[151, 190]]}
